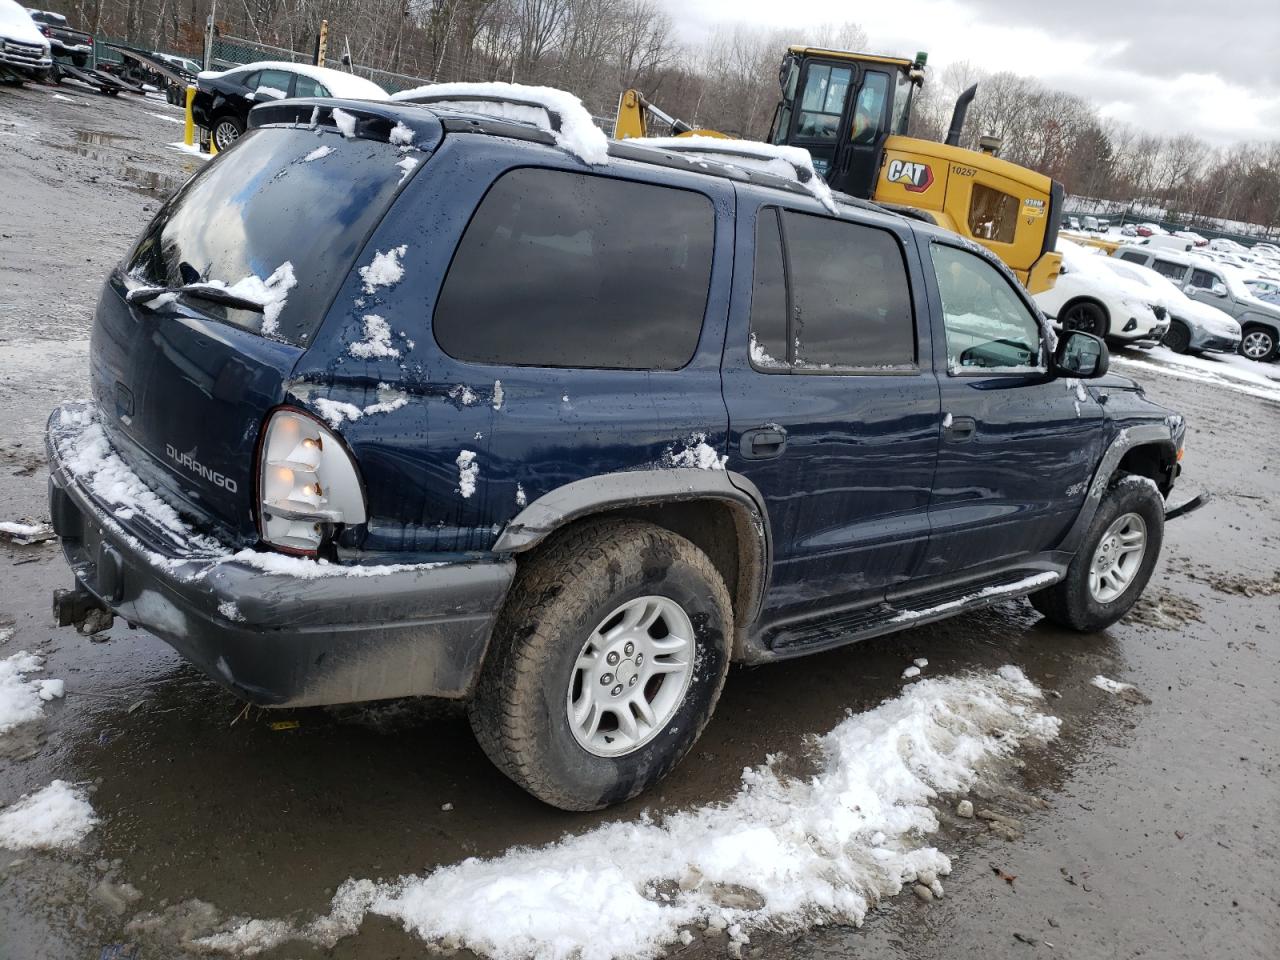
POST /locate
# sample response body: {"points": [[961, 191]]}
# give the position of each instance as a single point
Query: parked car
{"points": [[74, 45], [1089, 297], [1194, 327], [1227, 245], [224, 97], [1129, 230], [1149, 229], [1221, 287], [24, 50], [1166, 241], [1092, 224], [1195, 238], [1071, 223], [407, 440], [1263, 288]]}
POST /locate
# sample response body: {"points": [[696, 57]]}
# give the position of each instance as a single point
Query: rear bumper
{"points": [[279, 639]]}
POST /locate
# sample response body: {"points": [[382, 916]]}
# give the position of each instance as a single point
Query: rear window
{"points": [[1169, 269], [276, 198], [560, 269]]}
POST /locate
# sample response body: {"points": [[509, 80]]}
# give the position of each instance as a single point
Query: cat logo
{"points": [[916, 177]]}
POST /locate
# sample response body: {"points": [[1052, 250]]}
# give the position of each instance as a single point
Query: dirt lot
{"points": [[1145, 829]]}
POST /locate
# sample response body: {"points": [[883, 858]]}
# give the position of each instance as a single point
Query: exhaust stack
{"points": [[957, 117]]}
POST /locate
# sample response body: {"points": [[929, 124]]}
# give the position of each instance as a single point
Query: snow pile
{"points": [[468, 471], [407, 166], [335, 412], [57, 817], [695, 453], [270, 294], [22, 700], [25, 533], [788, 163], [345, 122], [385, 270], [377, 339], [578, 133], [1111, 686], [825, 848], [761, 357], [319, 153], [401, 136]]}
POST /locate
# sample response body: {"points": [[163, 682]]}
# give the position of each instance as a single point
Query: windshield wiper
{"points": [[205, 291]]}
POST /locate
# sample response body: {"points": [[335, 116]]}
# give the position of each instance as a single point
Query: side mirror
{"points": [[1081, 355], [1218, 289]]}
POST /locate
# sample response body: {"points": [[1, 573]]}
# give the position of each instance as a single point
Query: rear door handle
{"points": [[959, 428], [763, 443]]}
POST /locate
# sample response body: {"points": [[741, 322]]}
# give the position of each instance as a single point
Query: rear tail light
{"points": [[307, 483]]}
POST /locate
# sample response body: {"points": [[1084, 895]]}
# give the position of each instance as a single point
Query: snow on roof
{"points": [[577, 132], [789, 163], [339, 84]]}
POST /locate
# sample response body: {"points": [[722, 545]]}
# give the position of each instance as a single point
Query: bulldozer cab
{"points": [[842, 107]]}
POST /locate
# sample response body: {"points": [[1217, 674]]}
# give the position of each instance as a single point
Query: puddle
{"points": [[100, 137], [108, 149]]}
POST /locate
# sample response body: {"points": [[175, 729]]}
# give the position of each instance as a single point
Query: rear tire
{"points": [[563, 603], [1258, 343], [1085, 316], [1177, 338], [1131, 504]]}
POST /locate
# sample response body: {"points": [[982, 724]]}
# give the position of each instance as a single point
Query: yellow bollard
{"points": [[189, 127]]}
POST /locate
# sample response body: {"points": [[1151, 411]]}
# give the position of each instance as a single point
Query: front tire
{"points": [[1177, 338], [1115, 560], [1085, 316], [558, 707], [1258, 343]]}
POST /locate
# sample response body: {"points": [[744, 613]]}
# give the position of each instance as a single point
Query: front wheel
{"points": [[1114, 562], [1258, 343], [1177, 338], [605, 665], [226, 131], [1086, 317]]}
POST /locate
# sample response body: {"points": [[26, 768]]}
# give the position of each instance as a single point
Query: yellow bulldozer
{"points": [[851, 112]]}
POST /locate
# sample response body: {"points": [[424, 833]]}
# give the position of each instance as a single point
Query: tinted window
{"points": [[307, 87], [822, 103], [250, 212], [869, 108], [988, 325], [249, 80], [1134, 257], [561, 269], [768, 296], [850, 301], [1169, 269], [993, 215], [274, 83], [1203, 279]]}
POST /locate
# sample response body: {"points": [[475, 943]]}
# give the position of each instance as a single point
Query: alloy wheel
{"points": [[631, 676], [1118, 557], [225, 134], [1256, 344]]}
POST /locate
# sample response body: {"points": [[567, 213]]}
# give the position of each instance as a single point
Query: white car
{"points": [[24, 51], [1089, 296], [1194, 327], [1194, 237]]}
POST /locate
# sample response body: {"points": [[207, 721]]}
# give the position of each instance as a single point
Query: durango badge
{"points": [[916, 177], [199, 469]]}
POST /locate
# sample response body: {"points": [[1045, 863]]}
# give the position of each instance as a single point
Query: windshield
{"points": [[285, 204]]}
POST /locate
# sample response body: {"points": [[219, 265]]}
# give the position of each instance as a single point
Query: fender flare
{"points": [[613, 491], [1259, 319], [1141, 435]]}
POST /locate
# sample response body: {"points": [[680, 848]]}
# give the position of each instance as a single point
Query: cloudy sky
{"points": [[1210, 67]]}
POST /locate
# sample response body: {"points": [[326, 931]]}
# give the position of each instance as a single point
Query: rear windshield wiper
{"points": [[205, 291]]}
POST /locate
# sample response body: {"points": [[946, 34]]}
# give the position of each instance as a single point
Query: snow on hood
{"points": [[346, 86], [578, 133], [16, 24]]}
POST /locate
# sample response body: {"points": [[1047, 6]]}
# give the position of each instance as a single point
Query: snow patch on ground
{"points": [[21, 698], [377, 339], [815, 850], [57, 817], [1231, 371], [696, 452], [468, 471], [25, 532], [385, 270], [1109, 685]]}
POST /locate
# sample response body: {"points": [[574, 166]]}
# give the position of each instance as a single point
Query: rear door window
{"points": [[307, 87], [1203, 279], [1174, 271], [1134, 258], [265, 212], [561, 269], [845, 302], [274, 84]]}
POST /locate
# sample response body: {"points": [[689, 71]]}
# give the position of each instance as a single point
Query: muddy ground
{"points": [[1149, 829]]}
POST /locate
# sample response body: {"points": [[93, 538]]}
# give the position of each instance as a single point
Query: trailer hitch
{"points": [[1195, 503], [81, 609]]}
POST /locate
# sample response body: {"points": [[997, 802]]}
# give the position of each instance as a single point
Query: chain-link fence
{"points": [[228, 52]]}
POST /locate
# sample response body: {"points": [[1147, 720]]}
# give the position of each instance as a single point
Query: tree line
{"points": [[728, 81]]}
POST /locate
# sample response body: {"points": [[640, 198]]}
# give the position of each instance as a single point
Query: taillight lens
{"points": [[307, 483]]}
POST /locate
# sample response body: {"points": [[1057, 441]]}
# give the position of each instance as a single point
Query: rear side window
{"points": [[846, 303], [272, 208], [1173, 271], [1134, 257], [560, 269], [306, 87]]}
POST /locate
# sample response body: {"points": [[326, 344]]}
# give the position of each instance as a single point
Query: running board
{"points": [[1192, 505]]}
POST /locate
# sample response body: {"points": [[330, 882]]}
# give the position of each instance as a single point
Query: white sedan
{"points": [[1089, 297]]}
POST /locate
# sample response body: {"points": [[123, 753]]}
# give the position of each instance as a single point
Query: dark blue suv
{"points": [[401, 399]]}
